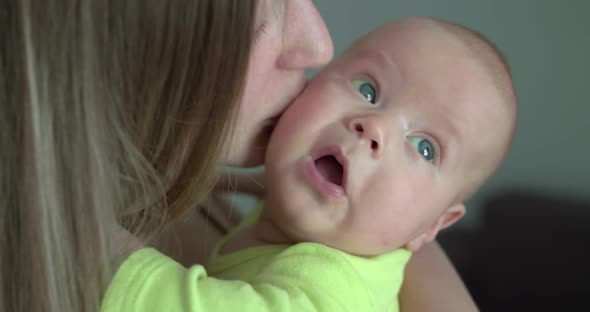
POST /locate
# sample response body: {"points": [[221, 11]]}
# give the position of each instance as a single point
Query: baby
{"points": [[372, 160]]}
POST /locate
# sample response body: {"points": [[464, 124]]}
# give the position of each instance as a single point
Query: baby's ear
{"points": [[448, 218]]}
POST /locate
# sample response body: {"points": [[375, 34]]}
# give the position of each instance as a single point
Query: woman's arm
{"points": [[432, 284]]}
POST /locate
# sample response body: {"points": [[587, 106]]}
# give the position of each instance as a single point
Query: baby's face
{"points": [[381, 143]]}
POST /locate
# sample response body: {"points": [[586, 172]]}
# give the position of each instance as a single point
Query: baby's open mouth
{"points": [[327, 171], [330, 168]]}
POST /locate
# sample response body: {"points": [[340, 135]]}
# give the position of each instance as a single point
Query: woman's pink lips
{"points": [[320, 182]]}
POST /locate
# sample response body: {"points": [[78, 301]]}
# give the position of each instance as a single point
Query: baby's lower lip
{"points": [[319, 182]]}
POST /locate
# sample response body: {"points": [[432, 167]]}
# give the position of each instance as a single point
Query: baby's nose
{"points": [[371, 132]]}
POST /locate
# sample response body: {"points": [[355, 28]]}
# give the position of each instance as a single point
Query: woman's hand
{"points": [[432, 284]]}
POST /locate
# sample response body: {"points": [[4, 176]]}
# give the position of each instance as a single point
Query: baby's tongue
{"points": [[330, 169]]}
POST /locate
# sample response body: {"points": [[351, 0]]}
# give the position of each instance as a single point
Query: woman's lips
{"points": [[319, 181]]}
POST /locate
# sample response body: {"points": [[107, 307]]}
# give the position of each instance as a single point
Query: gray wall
{"points": [[547, 43]]}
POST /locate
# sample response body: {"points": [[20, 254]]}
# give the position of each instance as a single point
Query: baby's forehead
{"points": [[403, 30], [424, 53], [429, 63], [431, 37], [460, 64]]}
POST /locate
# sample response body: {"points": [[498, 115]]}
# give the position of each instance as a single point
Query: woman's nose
{"points": [[370, 131], [306, 40]]}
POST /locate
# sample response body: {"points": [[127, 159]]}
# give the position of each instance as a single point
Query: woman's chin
{"points": [[250, 152], [246, 154]]}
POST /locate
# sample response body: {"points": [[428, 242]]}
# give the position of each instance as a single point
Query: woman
{"points": [[116, 112]]}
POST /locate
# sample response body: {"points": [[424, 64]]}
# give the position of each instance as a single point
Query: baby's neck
{"points": [[263, 232]]}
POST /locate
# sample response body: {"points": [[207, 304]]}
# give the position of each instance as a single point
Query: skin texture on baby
{"points": [[385, 144]]}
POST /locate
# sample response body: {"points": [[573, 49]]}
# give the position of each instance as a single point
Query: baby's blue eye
{"points": [[424, 147], [366, 89]]}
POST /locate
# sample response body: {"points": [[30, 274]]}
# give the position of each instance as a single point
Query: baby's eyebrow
{"points": [[451, 129], [386, 69], [445, 130], [378, 56]]}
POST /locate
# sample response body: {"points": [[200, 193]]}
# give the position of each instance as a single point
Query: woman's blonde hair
{"points": [[106, 106]]}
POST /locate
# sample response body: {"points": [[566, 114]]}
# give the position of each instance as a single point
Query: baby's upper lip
{"points": [[338, 153]]}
